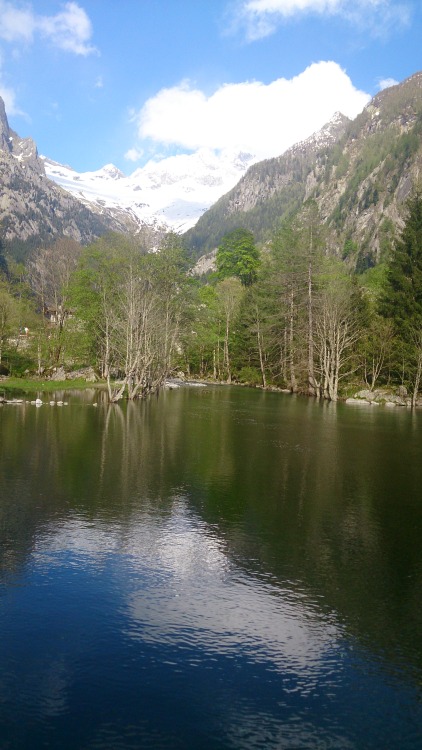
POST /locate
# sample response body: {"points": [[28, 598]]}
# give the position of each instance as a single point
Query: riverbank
{"points": [[11, 385], [14, 386]]}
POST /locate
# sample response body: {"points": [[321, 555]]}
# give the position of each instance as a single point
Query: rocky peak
{"points": [[24, 150], [329, 134], [5, 143]]}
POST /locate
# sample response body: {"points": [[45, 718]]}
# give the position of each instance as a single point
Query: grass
{"points": [[33, 385]]}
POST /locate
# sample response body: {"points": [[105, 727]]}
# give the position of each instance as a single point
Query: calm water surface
{"points": [[217, 568]]}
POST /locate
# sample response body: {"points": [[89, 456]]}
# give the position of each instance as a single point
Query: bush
{"points": [[249, 376]]}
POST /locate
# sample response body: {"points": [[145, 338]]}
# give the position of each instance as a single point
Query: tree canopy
{"points": [[238, 256], [402, 300]]}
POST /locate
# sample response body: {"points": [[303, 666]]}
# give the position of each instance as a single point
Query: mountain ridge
{"points": [[359, 172], [33, 209], [359, 181]]}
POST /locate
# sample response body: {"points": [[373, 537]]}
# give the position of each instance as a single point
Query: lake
{"points": [[214, 568]]}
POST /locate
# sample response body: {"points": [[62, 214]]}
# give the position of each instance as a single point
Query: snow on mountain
{"points": [[174, 191]]}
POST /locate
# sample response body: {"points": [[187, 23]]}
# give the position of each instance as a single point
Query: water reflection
{"points": [[245, 565]]}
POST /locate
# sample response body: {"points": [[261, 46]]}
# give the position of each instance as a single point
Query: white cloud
{"points": [[9, 98], [385, 83], [70, 30], [261, 119], [134, 154], [260, 18], [8, 95], [16, 24]]}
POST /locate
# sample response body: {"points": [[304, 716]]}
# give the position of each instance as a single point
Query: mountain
{"points": [[33, 209], [41, 200], [174, 192], [359, 173]]}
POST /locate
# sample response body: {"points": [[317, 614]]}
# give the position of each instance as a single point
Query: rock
{"points": [[171, 386], [59, 374], [85, 373]]}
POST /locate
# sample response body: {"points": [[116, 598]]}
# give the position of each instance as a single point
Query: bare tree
{"points": [[337, 331], [229, 292], [49, 273], [133, 303]]}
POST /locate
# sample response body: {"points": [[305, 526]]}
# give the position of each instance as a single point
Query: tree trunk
{"points": [[293, 381], [418, 371], [312, 385], [260, 348]]}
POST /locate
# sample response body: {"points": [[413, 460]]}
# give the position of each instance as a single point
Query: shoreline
{"points": [[13, 386]]}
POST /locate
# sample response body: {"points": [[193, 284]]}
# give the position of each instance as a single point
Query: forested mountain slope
{"points": [[359, 175]]}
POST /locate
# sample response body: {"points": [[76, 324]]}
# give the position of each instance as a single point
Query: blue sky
{"points": [[100, 81]]}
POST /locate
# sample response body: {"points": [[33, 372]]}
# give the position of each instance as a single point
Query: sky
{"points": [[95, 82]]}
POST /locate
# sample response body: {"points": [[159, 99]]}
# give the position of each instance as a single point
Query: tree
{"points": [[238, 256], [7, 316], [402, 300], [3, 263], [16, 313], [337, 330], [252, 349], [375, 348], [201, 337], [229, 293], [50, 271], [133, 303], [310, 228]]}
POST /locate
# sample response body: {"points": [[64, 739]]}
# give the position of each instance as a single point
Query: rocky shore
{"points": [[382, 396]]}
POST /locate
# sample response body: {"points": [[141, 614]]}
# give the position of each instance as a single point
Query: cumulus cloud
{"points": [[261, 119], [260, 18], [70, 29]]}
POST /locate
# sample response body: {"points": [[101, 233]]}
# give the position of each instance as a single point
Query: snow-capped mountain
{"points": [[174, 191]]}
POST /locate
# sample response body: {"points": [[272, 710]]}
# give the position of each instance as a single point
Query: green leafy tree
{"points": [[202, 340], [295, 260], [252, 351], [402, 300], [238, 256]]}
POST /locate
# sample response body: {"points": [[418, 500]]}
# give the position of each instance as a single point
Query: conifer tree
{"points": [[402, 299]]}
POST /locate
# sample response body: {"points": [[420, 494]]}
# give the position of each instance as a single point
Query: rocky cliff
{"points": [[33, 209]]}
